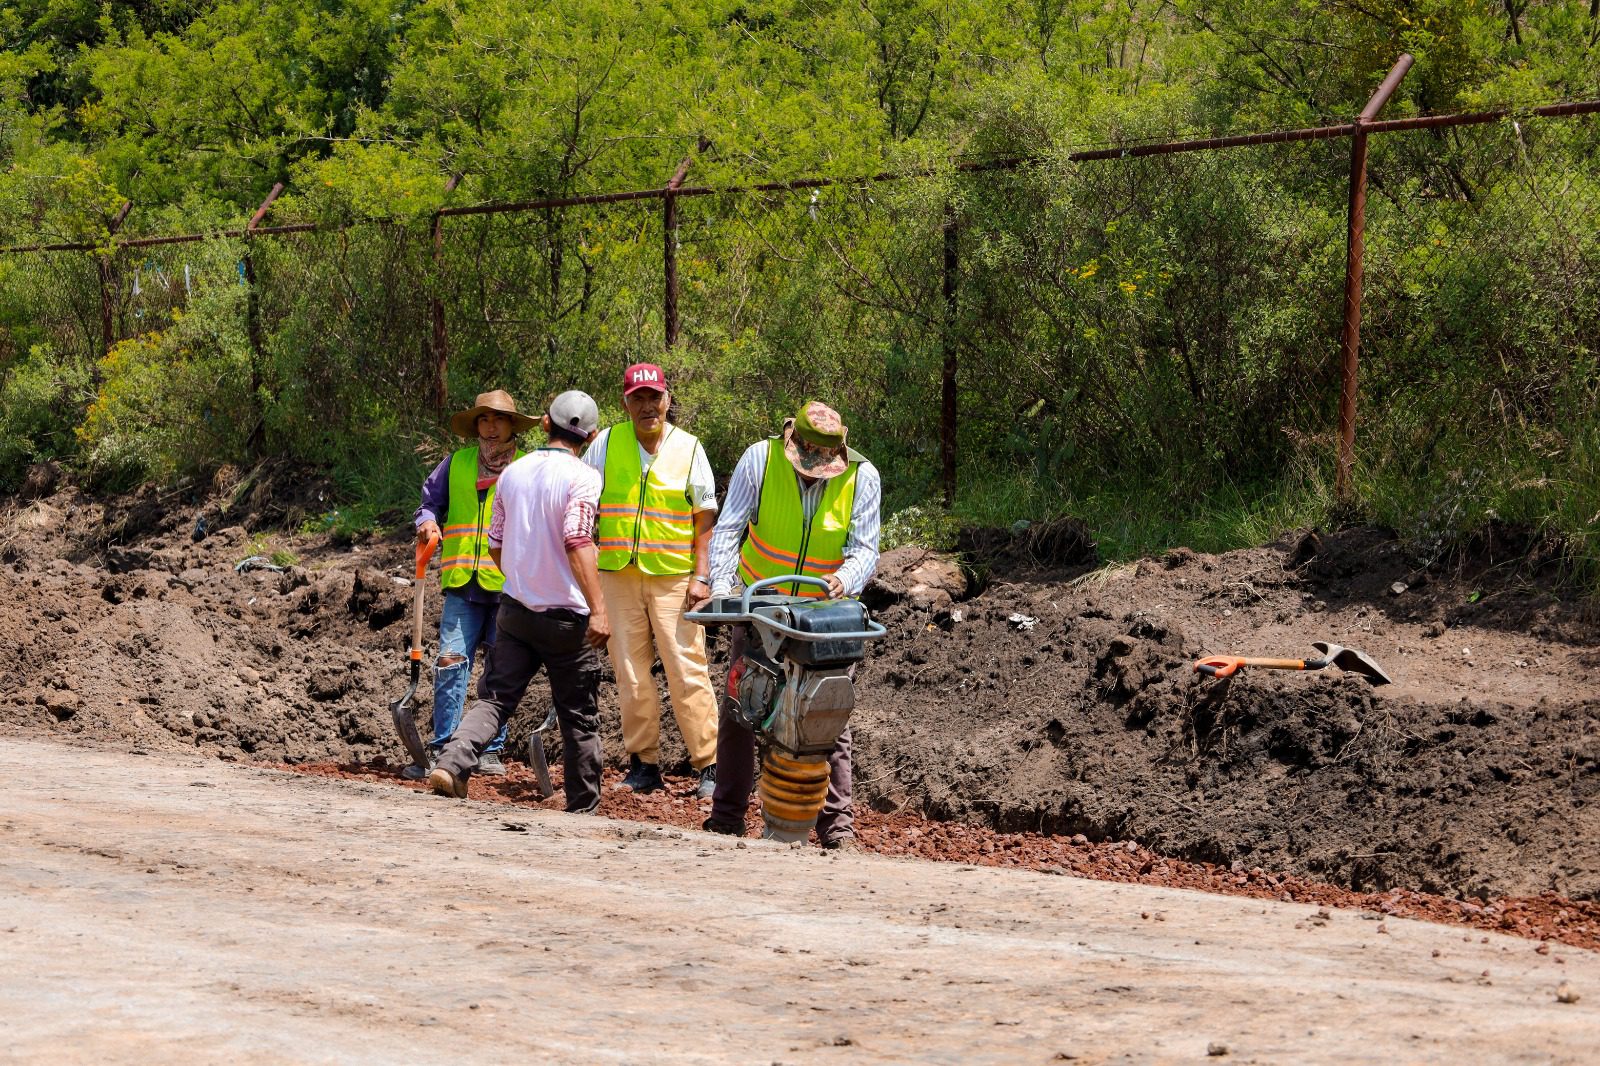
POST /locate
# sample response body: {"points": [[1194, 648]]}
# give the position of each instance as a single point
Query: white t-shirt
{"points": [[702, 486], [540, 501]]}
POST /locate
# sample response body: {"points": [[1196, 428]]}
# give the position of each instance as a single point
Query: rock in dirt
{"points": [[917, 577]]}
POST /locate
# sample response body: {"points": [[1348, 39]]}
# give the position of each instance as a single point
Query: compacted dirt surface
{"points": [[1030, 707], [170, 907]]}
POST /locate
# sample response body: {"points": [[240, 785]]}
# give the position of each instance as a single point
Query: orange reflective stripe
{"points": [[460, 531], [782, 558], [618, 510], [684, 515], [750, 577]]}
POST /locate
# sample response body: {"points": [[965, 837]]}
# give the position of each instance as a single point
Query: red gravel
{"points": [[1546, 917]]}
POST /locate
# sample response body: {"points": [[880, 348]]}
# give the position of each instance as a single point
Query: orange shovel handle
{"points": [[1228, 665], [424, 553], [425, 550]]}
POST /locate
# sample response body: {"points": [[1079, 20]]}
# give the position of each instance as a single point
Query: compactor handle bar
{"points": [[745, 614]]}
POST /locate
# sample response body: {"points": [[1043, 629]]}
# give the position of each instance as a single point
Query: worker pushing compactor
{"points": [[799, 503]]}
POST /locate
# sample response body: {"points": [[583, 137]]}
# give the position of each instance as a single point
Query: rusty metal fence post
{"points": [[252, 321], [947, 408], [441, 340], [103, 264], [1355, 247]]}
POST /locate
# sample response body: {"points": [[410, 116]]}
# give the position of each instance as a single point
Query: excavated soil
{"points": [[1030, 709]]}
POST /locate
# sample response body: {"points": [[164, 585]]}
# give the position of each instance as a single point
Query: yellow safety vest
{"points": [[464, 549], [780, 542], [647, 517]]}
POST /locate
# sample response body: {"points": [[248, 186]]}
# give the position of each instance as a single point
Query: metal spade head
{"points": [[406, 727], [536, 757], [1352, 661]]}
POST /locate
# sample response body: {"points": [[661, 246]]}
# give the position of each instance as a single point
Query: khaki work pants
{"points": [[647, 621]]}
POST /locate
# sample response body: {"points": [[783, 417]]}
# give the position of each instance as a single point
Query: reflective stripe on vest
{"points": [[464, 544], [780, 542], [646, 517]]}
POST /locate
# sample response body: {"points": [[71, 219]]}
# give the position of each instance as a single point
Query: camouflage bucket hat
{"points": [[814, 439]]}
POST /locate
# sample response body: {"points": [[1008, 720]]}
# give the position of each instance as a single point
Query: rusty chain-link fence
{"points": [[1171, 309]]}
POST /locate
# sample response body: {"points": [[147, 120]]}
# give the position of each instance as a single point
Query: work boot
{"points": [[844, 845], [727, 829], [420, 773], [643, 777], [445, 783], [489, 763], [708, 783]]}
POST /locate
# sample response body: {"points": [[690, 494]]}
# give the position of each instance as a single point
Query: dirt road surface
{"points": [[169, 907]]}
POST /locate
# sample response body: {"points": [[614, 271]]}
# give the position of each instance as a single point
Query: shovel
{"points": [[1347, 659], [400, 709], [536, 759]]}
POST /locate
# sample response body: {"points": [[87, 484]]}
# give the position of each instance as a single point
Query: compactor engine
{"points": [[793, 687]]}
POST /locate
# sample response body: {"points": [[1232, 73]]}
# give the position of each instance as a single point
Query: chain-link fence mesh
{"points": [[1482, 325], [538, 302], [53, 300]]}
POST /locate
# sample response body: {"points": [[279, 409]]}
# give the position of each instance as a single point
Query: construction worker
{"points": [[801, 502], [551, 615], [657, 506], [462, 490]]}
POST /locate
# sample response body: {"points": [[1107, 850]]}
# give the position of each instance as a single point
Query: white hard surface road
{"points": [[161, 908]]}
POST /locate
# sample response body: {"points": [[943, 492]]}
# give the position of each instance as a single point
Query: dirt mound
{"points": [[140, 618], [1071, 708], [1057, 699]]}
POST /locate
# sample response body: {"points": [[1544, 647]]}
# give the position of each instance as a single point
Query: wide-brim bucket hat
{"points": [[814, 439], [498, 402]]}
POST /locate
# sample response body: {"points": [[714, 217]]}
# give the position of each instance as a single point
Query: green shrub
{"points": [[173, 401], [926, 527], [39, 402]]}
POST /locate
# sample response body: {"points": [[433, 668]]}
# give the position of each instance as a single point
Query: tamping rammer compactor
{"points": [[793, 688]]}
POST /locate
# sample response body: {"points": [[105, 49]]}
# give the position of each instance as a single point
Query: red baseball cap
{"points": [[643, 376]]}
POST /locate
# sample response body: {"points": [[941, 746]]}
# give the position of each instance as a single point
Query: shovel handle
{"points": [[1228, 665], [425, 549]]}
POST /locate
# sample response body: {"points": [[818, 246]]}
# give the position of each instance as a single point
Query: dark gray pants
{"points": [[736, 768], [528, 640]]}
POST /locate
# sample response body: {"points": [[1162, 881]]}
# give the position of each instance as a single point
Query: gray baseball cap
{"points": [[575, 412]]}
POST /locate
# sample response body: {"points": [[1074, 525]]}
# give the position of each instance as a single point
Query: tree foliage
{"points": [[1138, 327]]}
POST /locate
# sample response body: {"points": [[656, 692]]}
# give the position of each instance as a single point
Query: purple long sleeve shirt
{"points": [[435, 505]]}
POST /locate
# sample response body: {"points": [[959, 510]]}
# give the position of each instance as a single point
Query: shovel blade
{"points": [[1352, 661], [536, 757], [406, 727]]}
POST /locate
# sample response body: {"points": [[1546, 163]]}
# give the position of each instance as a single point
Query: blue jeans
{"points": [[464, 627]]}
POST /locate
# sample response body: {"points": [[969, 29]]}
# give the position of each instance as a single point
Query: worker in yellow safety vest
{"points": [[461, 492], [801, 502], [657, 506]]}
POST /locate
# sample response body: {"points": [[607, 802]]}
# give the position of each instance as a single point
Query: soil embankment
{"points": [[1056, 699]]}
